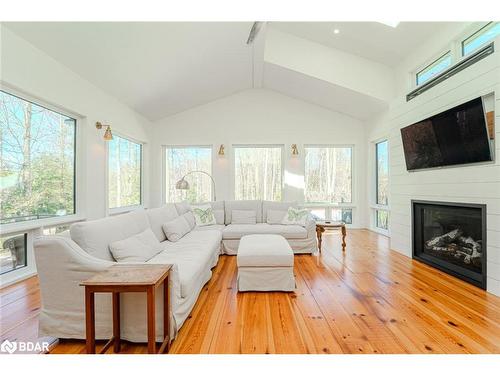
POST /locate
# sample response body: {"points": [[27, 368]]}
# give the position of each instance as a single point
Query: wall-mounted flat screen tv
{"points": [[456, 136]]}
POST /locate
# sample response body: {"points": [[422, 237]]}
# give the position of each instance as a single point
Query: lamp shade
{"points": [[182, 184], [108, 136]]}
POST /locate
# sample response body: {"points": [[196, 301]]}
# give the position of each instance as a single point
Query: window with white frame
{"points": [[258, 172], [382, 175], [328, 174], [13, 252], [434, 68], [124, 173], [37, 161], [488, 32], [382, 184], [179, 162], [330, 213]]}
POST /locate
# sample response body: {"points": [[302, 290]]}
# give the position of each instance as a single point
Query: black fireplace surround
{"points": [[452, 238]]}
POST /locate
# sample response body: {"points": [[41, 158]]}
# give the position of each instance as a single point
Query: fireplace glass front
{"points": [[452, 238]]}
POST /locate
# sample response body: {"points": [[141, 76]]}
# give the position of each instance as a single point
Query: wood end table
{"points": [[323, 225], [122, 278]]}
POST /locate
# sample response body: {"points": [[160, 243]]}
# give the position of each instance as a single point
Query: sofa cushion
{"points": [[189, 216], [272, 205], [182, 207], [177, 228], [255, 205], [243, 217], [158, 216], [95, 236], [236, 231], [275, 216], [193, 254], [217, 227], [140, 247]]}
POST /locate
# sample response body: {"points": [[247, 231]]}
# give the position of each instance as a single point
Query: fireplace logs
{"points": [[454, 246]]}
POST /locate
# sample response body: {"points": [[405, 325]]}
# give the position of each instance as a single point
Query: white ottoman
{"points": [[265, 263]]}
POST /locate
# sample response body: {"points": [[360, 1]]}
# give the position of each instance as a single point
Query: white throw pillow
{"points": [[243, 217], [177, 228], [190, 219], [219, 216], [295, 216], [139, 248], [275, 216], [204, 215]]}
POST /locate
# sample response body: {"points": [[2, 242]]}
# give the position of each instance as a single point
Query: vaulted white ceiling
{"points": [[162, 68], [372, 40]]}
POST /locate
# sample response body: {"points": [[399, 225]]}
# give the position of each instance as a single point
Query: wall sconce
{"points": [[295, 150], [221, 150], [108, 136]]}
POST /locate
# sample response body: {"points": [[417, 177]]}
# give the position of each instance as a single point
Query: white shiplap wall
{"points": [[478, 183]]}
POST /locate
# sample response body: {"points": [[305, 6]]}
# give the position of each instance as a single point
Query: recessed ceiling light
{"points": [[390, 23], [336, 31]]}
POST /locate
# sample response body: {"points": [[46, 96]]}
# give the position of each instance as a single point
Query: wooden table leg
{"points": [[319, 234], [90, 321], [116, 322], [344, 233], [166, 312], [151, 321]]}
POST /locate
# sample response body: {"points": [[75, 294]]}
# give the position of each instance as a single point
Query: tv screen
{"points": [[456, 136]]}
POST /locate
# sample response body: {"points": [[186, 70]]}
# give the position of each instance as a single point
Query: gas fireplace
{"points": [[452, 238]]}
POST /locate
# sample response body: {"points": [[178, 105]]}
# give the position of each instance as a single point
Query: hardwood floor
{"points": [[366, 300]]}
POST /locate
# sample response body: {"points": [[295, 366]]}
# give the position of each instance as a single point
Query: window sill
{"points": [[35, 224], [329, 205], [380, 207], [123, 210]]}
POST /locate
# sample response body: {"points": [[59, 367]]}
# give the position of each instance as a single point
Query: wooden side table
{"points": [[321, 226], [124, 279]]}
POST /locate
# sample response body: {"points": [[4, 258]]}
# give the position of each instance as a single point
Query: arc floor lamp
{"points": [[182, 184]]}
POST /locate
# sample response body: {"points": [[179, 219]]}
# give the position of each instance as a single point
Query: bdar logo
{"points": [[8, 347]]}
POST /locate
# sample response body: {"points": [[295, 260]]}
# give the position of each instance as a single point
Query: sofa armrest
{"points": [[310, 226], [62, 265]]}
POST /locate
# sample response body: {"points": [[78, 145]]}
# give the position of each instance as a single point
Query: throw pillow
{"points": [[190, 219], [243, 217], [295, 216], [177, 228], [219, 216], [204, 215], [138, 248], [275, 216]]}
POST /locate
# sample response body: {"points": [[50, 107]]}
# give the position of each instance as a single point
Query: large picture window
{"points": [[179, 161], [382, 184], [328, 174], [124, 173], [258, 172], [382, 175], [37, 161]]}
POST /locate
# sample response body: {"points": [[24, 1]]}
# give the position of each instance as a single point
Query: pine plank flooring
{"points": [[367, 300]]}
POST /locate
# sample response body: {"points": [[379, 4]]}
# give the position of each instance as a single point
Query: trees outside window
{"points": [[328, 174], [37, 161], [382, 156], [184, 159], [258, 172], [124, 173], [382, 184]]}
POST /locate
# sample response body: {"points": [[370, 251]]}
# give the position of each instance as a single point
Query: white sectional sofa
{"points": [[63, 261]]}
